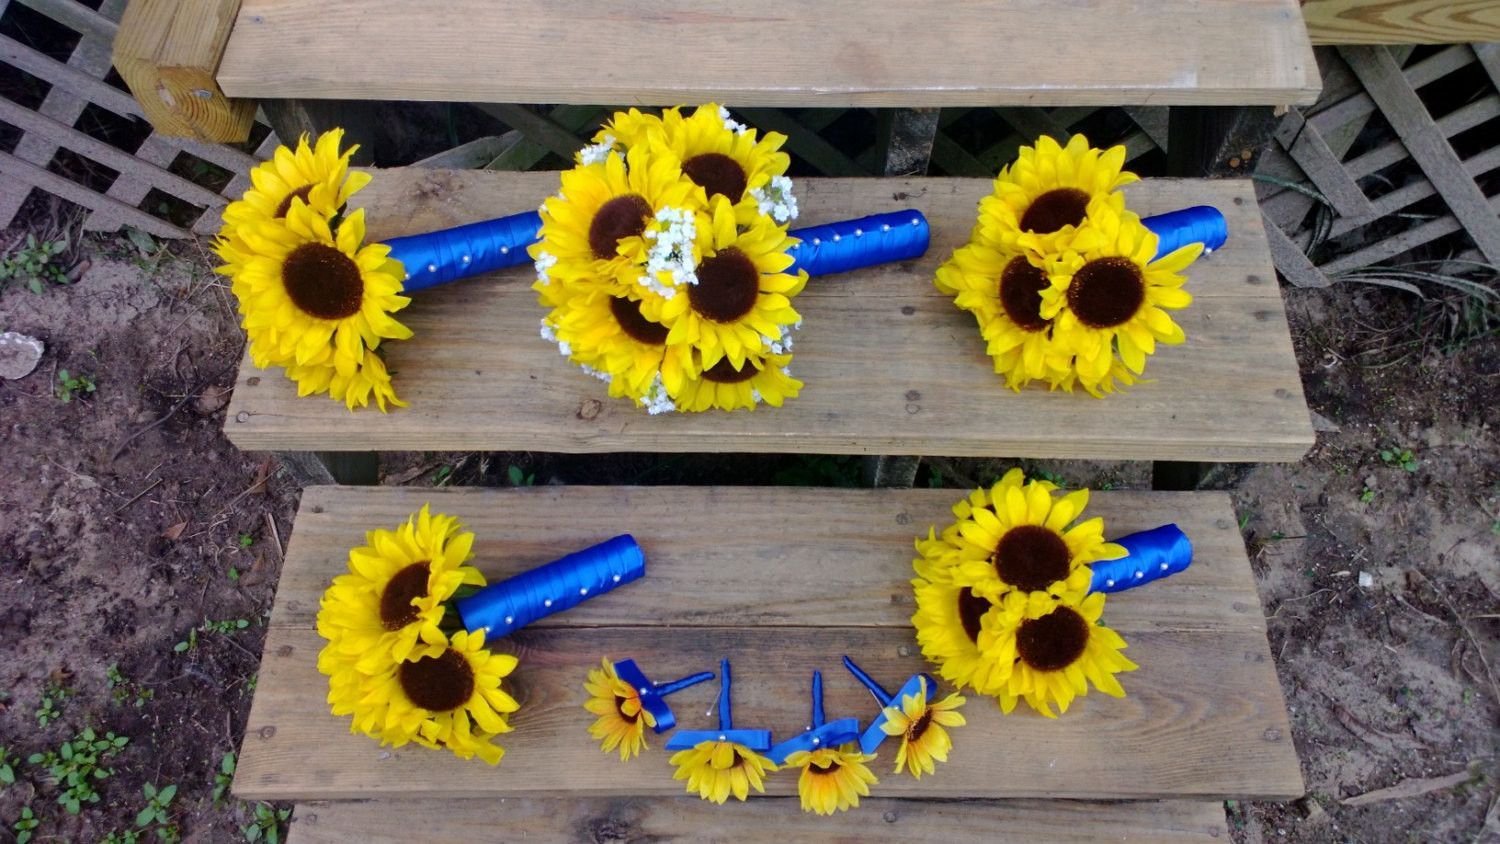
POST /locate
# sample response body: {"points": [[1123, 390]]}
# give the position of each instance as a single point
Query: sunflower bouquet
{"points": [[407, 626], [1068, 286], [1009, 596], [667, 267]]}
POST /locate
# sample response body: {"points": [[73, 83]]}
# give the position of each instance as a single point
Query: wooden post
{"points": [[168, 52]]}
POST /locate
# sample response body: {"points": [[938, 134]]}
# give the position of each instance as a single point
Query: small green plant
{"points": [[123, 690], [25, 826], [1399, 458], [224, 778], [187, 644], [48, 709], [75, 767], [7, 769], [442, 475], [518, 476], [1367, 496], [70, 386], [244, 540], [1049, 477], [155, 814], [35, 264], [266, 826], [123, 836], [228, 625]]}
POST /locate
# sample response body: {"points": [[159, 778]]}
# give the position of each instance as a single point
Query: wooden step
{"points": [[777, 52], [891, 366], [781, 582], [877, 821]]}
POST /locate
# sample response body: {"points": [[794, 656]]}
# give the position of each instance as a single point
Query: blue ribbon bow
{"points": [[818, 734], [653, 696], [918, 685], [757, 740]]}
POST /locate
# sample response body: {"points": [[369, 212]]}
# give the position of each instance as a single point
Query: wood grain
{"points": [[1204, 716], [759, 573], [1402, 21], [891, 366], [877, 53], [877, 821], [167, 51]]}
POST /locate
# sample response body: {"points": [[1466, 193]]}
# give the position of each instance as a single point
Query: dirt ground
{"points": [[139, 552]]}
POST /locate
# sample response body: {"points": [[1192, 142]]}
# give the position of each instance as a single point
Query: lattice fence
{"points": [[1396, 161], [74, 131]]}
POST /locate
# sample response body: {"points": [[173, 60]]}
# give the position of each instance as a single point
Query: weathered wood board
{"points": [[1401, 21], [876, 821], [783, 583], [890, 365], [777, 52]]}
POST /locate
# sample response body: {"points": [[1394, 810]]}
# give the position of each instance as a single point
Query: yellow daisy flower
{"points": [[1058, 650], [742, 297], [832, 779], [452, 700], [308, 296], [717, 769], [951, 623], [389, 605], [318, 175], [1109, 295], [1004, 293], [608, 219], [920, 725], [1022, 541], [1042, 200], [762, 378], [622, 721], [371, 380]]}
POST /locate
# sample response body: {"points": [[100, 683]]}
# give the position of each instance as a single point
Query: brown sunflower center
{"points": [[1054, 641], [1031, 557], [621, 217], [286, 204], [322, 281], [628, 314], [438, 684], [971, 610], [724, 372], [718, 174], [1021, 287], [727, 286], [1106, 292], [919, 726], [409, 584], [620, 707], [1055, 209], [830, 768]]}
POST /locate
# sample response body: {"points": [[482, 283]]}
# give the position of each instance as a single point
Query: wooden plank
{"points": [[167, 51], [1204, 716], [1412, 192], [1291, 261], [877, 821], [1401, 21], [1169, 52], [1306, 145], [871, 537], [540, 128], [891, 366], [1408, 116]]}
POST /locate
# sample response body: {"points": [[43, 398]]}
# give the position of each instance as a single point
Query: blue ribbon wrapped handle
{"points": [[504, 607], [1203, 224], [865, 242], [450, 254], [1153, 554]]}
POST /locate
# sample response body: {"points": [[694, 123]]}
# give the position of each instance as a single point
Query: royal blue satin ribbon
{"points": [[1203, 224], [503, 607], [450, 254], [1154, 554], [757, 740], [851, 244], [653, 696], [913, 687], [818, 733]]}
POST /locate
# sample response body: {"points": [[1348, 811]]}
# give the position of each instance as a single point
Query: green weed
{"points": [[1402, 458], [518, 477], [48, 709], [7, 769], [70, 386], [266, 825], [35, 264], [224, 778], [123, 690], [25, 826], [75, 767], [156, 812], [228, 625]]}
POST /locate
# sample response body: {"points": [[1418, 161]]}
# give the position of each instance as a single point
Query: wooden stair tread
{"points": [[777, 53], [877, 821], [1204, 717], [890, 365]]}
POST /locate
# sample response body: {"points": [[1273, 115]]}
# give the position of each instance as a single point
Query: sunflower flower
{"points": [[920, 725], [622, 722], [833, 779], [717, 769], [1058, 649], [1044, 199], [317, 174]]}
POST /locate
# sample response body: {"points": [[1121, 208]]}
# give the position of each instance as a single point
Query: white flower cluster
{"points": [[671, 251], [657, 400], [776, 200], [550, 335], [730, 123], [595, 153], [544, 262]]}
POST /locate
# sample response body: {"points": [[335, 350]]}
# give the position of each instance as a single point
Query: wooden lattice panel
{"points": [[73, 86]]}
